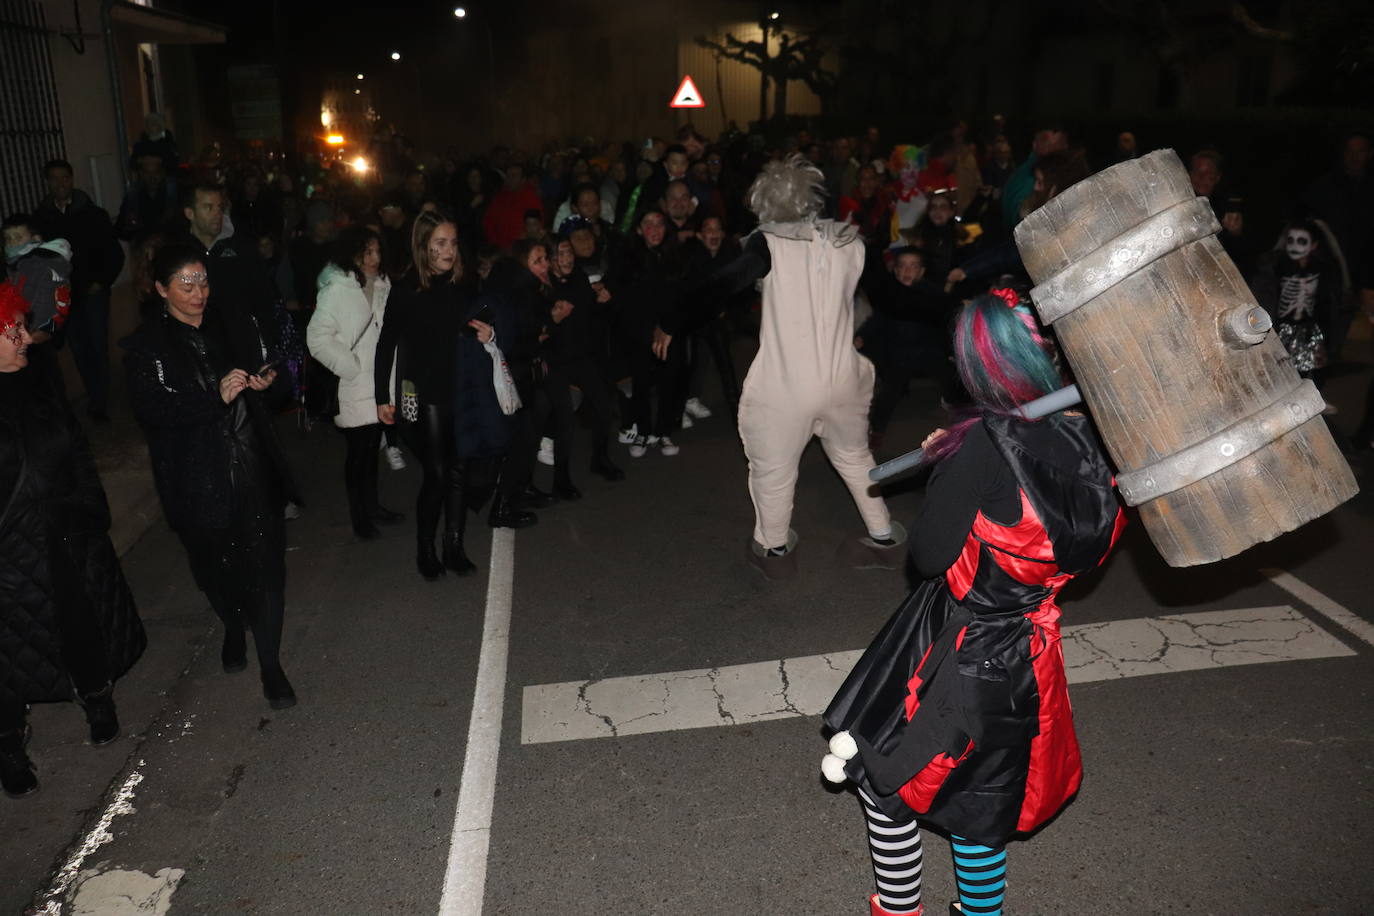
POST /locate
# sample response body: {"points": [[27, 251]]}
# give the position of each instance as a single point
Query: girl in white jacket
{"points": [[343, 336]]}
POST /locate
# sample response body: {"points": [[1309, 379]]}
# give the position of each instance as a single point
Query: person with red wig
{"points": [[957, 716], [69, 628]]}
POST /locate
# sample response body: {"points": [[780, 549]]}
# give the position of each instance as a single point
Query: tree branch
{"points": [[1241, 16]]}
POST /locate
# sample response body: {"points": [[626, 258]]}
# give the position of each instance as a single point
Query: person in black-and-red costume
{"points": [[957, 716]]}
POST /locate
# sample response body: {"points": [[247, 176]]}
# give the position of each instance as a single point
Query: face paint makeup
{"points": [[1297, 244]]}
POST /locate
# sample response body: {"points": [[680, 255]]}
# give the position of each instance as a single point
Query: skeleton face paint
{"points": [[1297, 244]]}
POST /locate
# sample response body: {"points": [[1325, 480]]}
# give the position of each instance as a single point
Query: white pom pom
{"points": [[833, 768], [842, 745]]}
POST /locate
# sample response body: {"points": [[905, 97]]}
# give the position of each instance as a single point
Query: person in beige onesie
{"points": [[807, 379]]}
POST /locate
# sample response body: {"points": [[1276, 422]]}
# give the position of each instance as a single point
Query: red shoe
{"points": [[876, 909]]}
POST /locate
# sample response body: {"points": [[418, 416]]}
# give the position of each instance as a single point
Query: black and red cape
{"points": [[960, 706]]}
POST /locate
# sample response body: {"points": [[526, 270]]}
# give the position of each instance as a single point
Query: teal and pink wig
{"points": [[1004, 360]]}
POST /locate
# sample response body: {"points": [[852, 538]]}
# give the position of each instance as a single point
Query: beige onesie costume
{"points": [[807, 379]]}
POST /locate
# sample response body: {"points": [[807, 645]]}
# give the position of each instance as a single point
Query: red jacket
{"points": [[504, 221]]}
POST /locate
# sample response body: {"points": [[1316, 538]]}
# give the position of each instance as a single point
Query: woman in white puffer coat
{"points": [[343, 336]]}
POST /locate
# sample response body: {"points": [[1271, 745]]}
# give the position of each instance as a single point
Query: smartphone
{"points": [[269, 367], [483, 315]]}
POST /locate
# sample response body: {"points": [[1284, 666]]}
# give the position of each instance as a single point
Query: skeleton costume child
{"points": [[1299, 286]]}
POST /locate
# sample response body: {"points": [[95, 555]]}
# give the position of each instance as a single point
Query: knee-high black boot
{"points": [[456, 522], [505, 510], [426, 526], [267, 623], [360, 499]]}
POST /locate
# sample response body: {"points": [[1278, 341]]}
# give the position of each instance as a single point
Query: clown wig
{"points": [[791, 191], [1004, 360], [13, 307]]}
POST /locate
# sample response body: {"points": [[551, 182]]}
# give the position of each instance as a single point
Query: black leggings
{"points": [[441, 490], [529, 423], [360, 471], [714, 340], [596, 402], [665, 378]]}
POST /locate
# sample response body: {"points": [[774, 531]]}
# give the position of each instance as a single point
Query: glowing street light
{"points": [[360, 76], [357, 92], [359, 165], [395, 55], [334, 139], [326, 117], [775, 15], [460, 12]]}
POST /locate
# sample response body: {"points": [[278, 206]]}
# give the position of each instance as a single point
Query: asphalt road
{"points": [[1225, 789]]}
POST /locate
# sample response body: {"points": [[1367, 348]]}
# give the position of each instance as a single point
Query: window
{"points": [[30, 121]]}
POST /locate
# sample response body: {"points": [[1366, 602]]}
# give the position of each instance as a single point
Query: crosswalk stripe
{"points": [[789, 687]]}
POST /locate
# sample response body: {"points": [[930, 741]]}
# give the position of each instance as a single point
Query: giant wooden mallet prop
{"points": [[1218, 441]]}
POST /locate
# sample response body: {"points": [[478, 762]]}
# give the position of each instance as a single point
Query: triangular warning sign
{"points": [[687, 95]]}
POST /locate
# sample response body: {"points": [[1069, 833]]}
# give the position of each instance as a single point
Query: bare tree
{"points": [[798, 57]]}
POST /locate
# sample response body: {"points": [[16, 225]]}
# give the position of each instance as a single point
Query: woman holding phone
{"points": [[422, 333], [199, 383]]}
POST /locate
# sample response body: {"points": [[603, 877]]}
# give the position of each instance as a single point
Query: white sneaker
{"points": [[394, 459], [698, 409], [546, 451], [640, 446], [687, 421], [667, 447], [629, 434]]}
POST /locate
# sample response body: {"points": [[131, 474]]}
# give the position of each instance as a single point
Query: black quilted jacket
{"points": [[187, 423], [51, 500]]}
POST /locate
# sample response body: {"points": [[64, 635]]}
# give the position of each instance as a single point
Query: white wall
{"points": [[86, 102]]}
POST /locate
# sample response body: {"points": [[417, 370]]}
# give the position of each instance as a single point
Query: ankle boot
{"points": [[427, 561], [277, 688], [504, 513], [455, 558], [233, 655], [562, 483], [17, 777], [100, 715]]}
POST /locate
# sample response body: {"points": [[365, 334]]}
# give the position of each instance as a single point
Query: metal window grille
{"points": [[30, 120]]}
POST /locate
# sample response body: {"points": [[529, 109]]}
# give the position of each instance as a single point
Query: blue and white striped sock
{"points": [[981, 873]]}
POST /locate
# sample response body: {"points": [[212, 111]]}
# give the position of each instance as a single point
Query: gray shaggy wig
{"points": [[790, 191]]}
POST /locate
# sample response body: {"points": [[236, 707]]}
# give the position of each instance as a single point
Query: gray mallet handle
{"points": [[1040, 407]]}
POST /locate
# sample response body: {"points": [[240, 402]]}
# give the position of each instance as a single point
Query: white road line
{"points": [[789, 687], [100, 834], [1336, 613], [466, 876]]}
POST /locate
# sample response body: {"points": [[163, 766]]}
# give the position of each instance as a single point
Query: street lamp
{"points": [[775, 15], [460, 12], [360, 76], [395, 55]]}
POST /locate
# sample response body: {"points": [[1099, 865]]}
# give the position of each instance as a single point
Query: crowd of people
{"points": [[488, 316]]}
